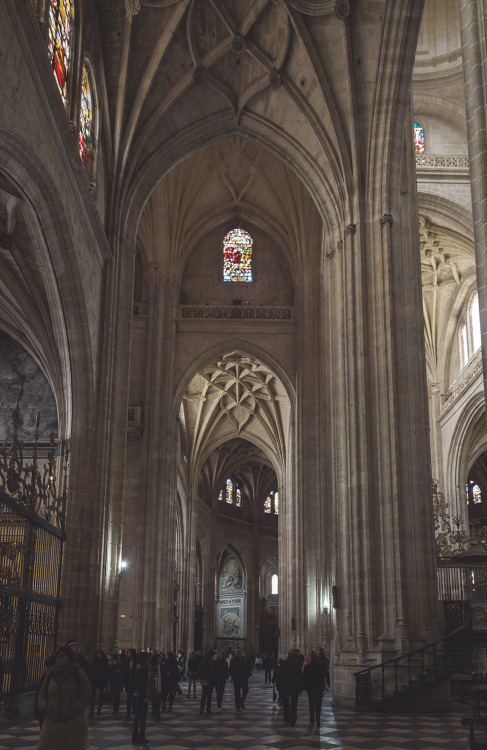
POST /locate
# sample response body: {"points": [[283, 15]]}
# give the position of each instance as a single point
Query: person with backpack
{"points": [[63, 696]]}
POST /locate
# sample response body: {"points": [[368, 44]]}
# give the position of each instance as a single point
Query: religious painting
{"points": [[230, 622], [231, 576]]}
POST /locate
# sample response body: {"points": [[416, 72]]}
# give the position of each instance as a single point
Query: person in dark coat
{"points": [[323, 659], [194, 662], [171, 680], [313, 682], [221, 676], [268, 663], [115, 682], [79, 659], [128, 672], [207, 678], [289, 686], [142, 693], [159, 691], [239, 672], [99, 680]]}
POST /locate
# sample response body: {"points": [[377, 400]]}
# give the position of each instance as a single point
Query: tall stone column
{"points": [[473, 35]]}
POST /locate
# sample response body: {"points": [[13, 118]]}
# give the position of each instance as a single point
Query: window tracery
{"points": [[232, 494], [469, 333], [271, 503], [59, 42], [237, 256], [86, 120], [419, 142]]}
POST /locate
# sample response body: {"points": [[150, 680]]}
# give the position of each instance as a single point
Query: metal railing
{"points": [[421, 668]]}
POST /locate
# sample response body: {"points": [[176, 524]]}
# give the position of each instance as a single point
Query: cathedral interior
{"points": [[242, 312]]}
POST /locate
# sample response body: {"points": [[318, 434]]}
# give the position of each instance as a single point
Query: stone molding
{"points": [[472, 370], [446, 161], [235, 312]]}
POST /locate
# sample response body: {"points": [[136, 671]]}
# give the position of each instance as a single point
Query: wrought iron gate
{"points": [[31, 548]]}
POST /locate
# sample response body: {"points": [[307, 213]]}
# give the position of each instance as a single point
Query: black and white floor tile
{"points": [[261, 727]]}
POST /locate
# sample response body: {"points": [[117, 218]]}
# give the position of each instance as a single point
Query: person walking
{"points": [[268, 663], [63, 695], [171, 680], [99, 680], [115, 681], [194, 662], [239, 672], [289, 679], [221, 677], [142, 694], [128, 673], [313, 682], [207, 679]]}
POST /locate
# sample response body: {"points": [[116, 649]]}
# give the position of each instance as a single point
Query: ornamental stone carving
{"points": [[351, 229], [275, 79], [132, 7], [386, 219], [239, 45], [342, 9], [199, 75]]}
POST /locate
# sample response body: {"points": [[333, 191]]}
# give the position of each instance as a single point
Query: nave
{"points": [[261, 728]]}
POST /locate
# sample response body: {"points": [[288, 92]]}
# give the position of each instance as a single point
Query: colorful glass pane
{"points": [[238, 498], [237, 256], [229, 492], [466, 492], [418, 139], [476, 494], [220, 496], [268, 504], [59, 42], [276, 503], [85, 119]]}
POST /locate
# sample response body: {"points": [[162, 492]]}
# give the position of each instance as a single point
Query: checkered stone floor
{"points": [[261, 727]]}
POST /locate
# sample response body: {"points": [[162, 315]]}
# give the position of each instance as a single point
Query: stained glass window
{"points": [[229, 492], [220, 496], [85, 119], [271, 503], [59, 44], [237, 256], [475, 322], [274, 584], [418, 139], [476, 494], [238, 498]]}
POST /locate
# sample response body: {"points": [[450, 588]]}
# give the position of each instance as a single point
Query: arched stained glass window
{"points": [[232, 493], [271, 503], [463, 346], [418, 139], [229, 492], [274, 584], [237, 256], [85, 119], [59, 44], [476, 494], [475, 322]]}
